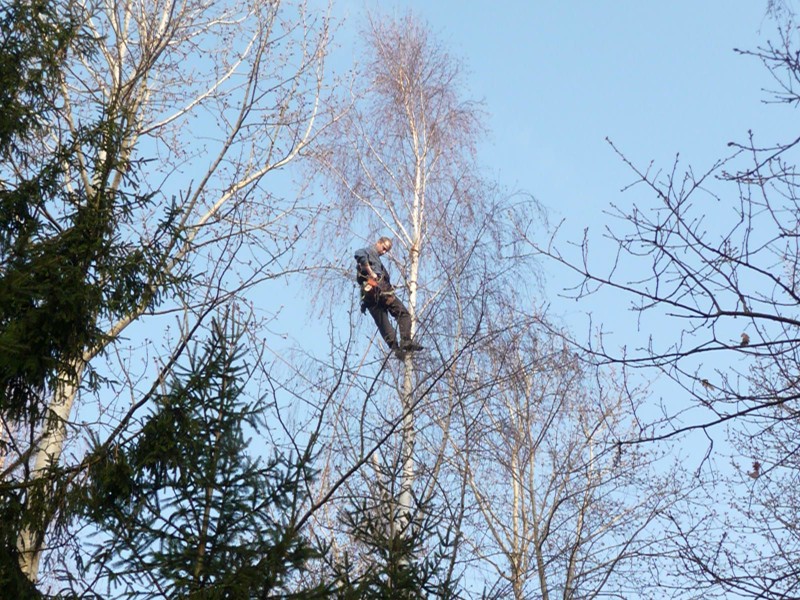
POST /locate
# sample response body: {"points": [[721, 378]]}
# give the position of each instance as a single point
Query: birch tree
{"points": [[192, 104], [401, 163], [559, 509], [401, 152]]}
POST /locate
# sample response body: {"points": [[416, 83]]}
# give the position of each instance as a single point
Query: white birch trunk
{"points": [[31, 542], [405, 499]]}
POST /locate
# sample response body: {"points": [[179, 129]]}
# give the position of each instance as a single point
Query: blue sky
{"points": [[559, 77]]}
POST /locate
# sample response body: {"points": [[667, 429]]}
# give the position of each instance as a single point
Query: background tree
{"points": [[559, 509], [716, 254]]}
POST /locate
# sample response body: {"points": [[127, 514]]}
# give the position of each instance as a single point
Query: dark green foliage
{"points": [[13, 582], [183, 510], [70, 258], [408, 563], [61, 281], [35, 38]]}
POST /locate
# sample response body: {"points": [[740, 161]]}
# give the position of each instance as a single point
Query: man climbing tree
{"points": [[377, 297]]}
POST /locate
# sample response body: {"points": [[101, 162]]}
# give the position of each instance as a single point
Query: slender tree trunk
{"points": [[407, 400], [517, 544], [30, 540], [405, 499]]}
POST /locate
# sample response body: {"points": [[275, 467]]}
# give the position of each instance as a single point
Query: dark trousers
{"points": [[380, 312]]}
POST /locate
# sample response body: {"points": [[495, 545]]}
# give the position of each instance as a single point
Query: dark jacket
{"points": [[370, 256]]}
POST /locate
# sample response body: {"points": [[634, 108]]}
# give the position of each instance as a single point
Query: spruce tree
{"points": [[397, 559], [183, 509], [68, 263]]}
